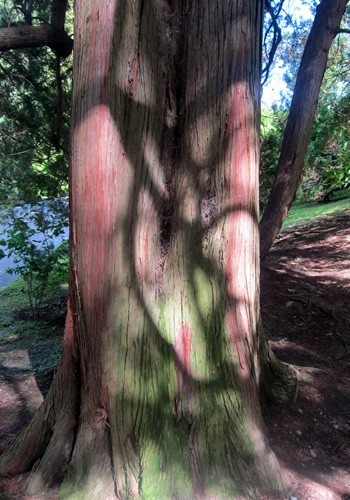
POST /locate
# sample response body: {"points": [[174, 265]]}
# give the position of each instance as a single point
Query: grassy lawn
{"points": [[302, 213]]}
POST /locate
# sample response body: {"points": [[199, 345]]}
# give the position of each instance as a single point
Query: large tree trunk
{"points": [[171, 360], [300, 119]]}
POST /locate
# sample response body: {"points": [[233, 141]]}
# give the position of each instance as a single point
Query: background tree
{"points": [[327, 165], [326, 168], [27, 33], [272, 124], [300, 120], [164, 362]]}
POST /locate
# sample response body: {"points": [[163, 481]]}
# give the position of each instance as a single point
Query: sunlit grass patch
{"points": [[305, 212]]}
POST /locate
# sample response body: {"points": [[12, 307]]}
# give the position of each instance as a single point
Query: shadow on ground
{"points": [[28, 359]]}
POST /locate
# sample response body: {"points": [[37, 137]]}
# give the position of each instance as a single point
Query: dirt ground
{"points": [[305, 302], [306, 314]]}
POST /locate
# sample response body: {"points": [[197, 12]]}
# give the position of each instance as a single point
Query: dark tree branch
{"points": [[58, 17], [28, 13], [343, 30], [277, 37], [52, 35], [297, 133], [58, 114], [22, 37], [58, 13]]}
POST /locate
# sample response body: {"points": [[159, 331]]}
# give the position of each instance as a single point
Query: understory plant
{"points": [[35, 241]]}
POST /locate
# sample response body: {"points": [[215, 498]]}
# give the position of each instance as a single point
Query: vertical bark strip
{"points": [[242, 236], [182, 349], [300, 119]]}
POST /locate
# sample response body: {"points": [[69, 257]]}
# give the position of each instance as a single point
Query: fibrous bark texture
{"points": [[300, 120], [169, 355]]}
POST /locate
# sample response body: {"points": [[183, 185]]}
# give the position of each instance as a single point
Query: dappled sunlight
{"points": [[158, 392], [155, 169], [298, 351], [319, 486], [307, 262], [16, 368], [18, 359], [172, 281]]}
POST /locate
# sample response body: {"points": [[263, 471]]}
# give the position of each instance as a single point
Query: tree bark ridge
{"points": [[45, 445]]}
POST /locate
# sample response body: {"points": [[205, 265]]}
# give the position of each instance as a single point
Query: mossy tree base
{"points": [[211, 443]]}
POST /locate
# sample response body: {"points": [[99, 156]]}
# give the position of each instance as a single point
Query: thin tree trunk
{"points": [[164, 254], [58, 13], [300, 120]]}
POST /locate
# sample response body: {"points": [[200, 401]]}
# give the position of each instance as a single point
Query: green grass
{"points": [[302, 213]]}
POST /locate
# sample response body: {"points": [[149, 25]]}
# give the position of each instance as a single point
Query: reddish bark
{"points": [[182, 351]]}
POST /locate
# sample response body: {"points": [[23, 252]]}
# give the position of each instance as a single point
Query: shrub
{"points": [[32, 234]]}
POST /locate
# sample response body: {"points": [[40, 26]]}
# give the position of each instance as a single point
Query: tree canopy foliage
{"points": [[35, 87]]}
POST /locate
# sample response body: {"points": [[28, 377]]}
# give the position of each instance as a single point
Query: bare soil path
{"points": [[306, 314]]}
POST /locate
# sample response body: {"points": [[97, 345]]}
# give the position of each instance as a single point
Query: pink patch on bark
{"points": [[182, 347], [145, 253]]}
